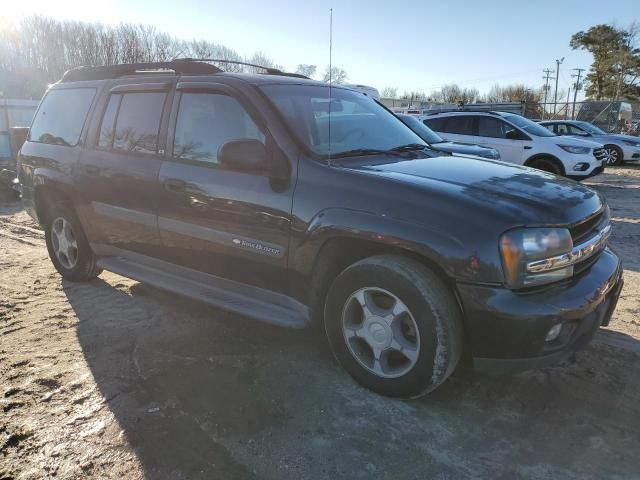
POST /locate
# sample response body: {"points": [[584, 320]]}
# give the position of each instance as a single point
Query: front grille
{"points": [[599, 153], [585, 230], [588, 227]]}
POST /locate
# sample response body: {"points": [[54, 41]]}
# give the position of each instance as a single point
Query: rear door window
{"points": [[461, 125], [137, 124], [61, 116]]}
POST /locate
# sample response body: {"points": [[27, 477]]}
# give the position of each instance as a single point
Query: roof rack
{"points": [[181, 66], [268, 70], [461, 110]]}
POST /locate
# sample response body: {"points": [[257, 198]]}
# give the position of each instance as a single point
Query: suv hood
{"points": [[525, 195], [464, 148], [573, 141]]}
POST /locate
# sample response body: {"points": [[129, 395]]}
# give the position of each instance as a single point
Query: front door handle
{"points": [[175, 185], [527, 147]]}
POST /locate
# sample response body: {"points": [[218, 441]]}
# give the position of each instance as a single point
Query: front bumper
{"points": [[631, 154], [507, 330]]}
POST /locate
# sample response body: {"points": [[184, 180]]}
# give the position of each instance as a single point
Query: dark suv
{"points": [[275, 197]]}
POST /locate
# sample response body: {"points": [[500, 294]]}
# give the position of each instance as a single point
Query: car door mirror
{"points": [[513, 135], [251, 156], [244, 155]]}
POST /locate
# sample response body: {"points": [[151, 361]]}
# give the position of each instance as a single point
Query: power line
{"points": [[546, 78]]}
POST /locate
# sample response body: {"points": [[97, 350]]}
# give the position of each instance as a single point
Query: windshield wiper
{"points": [[360, 152], [409, 147]]}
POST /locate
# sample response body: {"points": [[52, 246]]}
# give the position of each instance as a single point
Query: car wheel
{"points": [[394, 326], [614, 155], [547, 165], [68, 247]]}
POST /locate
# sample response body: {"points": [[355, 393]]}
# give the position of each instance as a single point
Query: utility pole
{"points": [[555, 97], [576, 86], [546, 78]]}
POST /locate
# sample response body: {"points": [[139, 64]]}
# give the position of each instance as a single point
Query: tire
{"points": [[78, 263], [390, 282], [614, 154], [547, 164]]}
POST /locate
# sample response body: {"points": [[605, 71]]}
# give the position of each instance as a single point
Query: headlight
{"points": [[522, 246], [574, 149], [631, 142]]}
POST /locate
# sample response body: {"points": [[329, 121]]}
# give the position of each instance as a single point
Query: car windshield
{"points": [[591, 128], [528, 126], [421, 129], [350, 122]]}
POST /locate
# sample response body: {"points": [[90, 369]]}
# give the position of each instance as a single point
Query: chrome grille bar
{"points": [[578, 253]]}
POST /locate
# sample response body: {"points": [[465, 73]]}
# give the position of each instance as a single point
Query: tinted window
{"points": [[493, 127], [107, 127], [573, 130], [206, 121], [61, 116], [421, 129], [138, 122], [528, 126], [436, 124], [462, 125], [550, 126]]}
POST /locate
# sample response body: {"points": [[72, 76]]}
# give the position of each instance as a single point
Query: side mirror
{"points": [[245, 155], [251, 156], [513, 135]]}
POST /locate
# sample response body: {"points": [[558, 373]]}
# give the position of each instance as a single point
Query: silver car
{"points": [[619, 148]]}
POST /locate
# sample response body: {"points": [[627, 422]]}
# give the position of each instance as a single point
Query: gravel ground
{"points": [[115, 379]]}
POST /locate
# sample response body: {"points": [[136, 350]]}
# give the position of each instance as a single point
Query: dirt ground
{"points": [[115, 379]]}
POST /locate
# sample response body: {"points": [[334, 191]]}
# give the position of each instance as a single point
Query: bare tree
{"points": [[336, 76], [389, 92], [306, 70]]}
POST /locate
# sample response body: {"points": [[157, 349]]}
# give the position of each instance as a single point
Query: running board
{"points": [[257, 303]]}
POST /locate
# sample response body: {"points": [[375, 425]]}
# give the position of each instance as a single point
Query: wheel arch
{"points": [[549, 156]]}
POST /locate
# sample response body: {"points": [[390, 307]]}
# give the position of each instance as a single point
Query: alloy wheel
{"points": [[612, 156], [64, 243], [380, 332]]}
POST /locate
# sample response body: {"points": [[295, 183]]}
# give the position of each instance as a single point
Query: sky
{"points": [[407, 44]]}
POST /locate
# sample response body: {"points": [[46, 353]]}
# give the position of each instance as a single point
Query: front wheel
{"points": [[614, 155], [547, 165], [394, 326], [68, 247]]}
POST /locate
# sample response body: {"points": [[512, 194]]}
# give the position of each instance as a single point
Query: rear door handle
{"points": [[174, 185]]}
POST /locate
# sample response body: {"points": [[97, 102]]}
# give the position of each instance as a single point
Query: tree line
{"points": [[38, 50]]}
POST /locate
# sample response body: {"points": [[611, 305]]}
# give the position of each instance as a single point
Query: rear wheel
{"points": [[394, 326], [547, 164], [68, 247], [614, 155]]}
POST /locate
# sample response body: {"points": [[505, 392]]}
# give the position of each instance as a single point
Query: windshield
{"points": [[591, 128], [421, 129], [529, 126], [358, 123]]}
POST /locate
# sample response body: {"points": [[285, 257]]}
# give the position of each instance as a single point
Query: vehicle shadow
{"points": [[201, 393]]}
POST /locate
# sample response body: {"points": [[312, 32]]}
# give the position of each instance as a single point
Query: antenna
{"points": [[330, 79]]}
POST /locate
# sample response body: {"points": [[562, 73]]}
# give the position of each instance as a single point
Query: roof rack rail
{"points": [[268, 70], [180, 67], [461, 110]]}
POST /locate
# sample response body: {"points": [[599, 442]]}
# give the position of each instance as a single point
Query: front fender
{"points": [[451, 254]]}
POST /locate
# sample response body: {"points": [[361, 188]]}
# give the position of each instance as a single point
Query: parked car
{"points": [[14, 113], [618, 148], [367, 90], [436, 142], [240, 191], [521, 141]]}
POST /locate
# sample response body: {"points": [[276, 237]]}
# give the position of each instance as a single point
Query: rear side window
{"points": [[206, 121], [61, 116], [131, 122], [436, 124], [462, 125]]}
